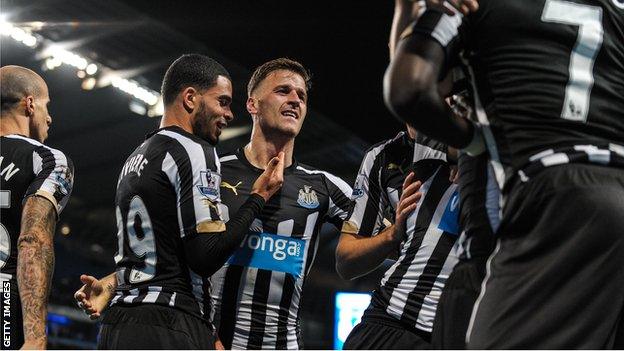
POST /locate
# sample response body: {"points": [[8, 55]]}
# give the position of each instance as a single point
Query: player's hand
{"points": [[219, 345], [34, 345], [271, 180], [407, 203], [92, 297], [464, 6], [454, 175]]}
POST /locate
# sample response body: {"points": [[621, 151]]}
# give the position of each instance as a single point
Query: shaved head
{"points": [[16, 83]]}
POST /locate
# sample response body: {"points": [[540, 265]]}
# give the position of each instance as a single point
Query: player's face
{"points": [[213, 111], [40, 120], [281, 103]]}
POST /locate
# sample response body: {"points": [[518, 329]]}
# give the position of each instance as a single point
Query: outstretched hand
{"points": [[92, 297]]}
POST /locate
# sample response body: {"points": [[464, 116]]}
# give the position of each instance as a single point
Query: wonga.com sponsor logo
{"points": [[271, 252]]}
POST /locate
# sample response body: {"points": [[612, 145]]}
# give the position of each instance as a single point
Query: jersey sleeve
{"points": [[448, 31], [54, 177], [194, 173], [366, 217], [339, 199]]}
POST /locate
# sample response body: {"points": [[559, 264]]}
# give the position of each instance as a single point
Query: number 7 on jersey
{"points": [[588, 43]]}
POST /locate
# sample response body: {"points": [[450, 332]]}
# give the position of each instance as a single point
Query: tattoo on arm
{"points": [[35, 265], [110, 288]]}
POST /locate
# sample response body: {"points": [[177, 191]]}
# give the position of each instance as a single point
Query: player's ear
{"points": [[29, 105], [252, 106], [189, 99]]}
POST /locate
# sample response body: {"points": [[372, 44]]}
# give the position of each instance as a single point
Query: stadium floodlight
{"points": [[52, 63], [68, 57], [91, 69], [18, 34], [55, 55], [88, 83], [133, 88], [156, 110], [137, 108]]}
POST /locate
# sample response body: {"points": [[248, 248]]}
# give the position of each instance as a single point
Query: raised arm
{"points": [[412, 84], [411, 92], [405, 11]]}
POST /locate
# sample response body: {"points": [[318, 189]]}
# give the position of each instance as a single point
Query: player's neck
{"points": [[172, 118], [262, 149], [9, 124]]}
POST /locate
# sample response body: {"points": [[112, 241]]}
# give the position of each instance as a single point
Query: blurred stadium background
{"points": [[104, 61]]}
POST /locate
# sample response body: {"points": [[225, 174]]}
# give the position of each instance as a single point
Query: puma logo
{"points": [[231, 187], [392, 166]]}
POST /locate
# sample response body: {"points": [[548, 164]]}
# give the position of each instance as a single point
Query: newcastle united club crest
{"points": [[308, 198]]}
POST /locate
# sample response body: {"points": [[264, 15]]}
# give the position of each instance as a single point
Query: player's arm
{"points": [[35, 265], [411, 82], [208, 251], [44, 200], [405, 11], [357, 255]]}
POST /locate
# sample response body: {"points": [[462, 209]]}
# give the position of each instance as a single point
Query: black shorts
{"points": [[456, 302], [12, 327], [153, 327], [387, 333], [556, 277]]}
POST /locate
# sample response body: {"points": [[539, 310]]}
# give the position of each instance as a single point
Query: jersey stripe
{"points": [[609, 155], [258, 307], [170, 168], [57, 182], [423, 217], [366, 216], [411, 287], [227, 301], [198, 160]]}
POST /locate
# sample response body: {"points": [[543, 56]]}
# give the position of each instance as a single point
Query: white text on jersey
{"points": [[135, 164], [8, 171]]}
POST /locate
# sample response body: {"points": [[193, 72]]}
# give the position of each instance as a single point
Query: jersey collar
{"points": [[240, 154]]}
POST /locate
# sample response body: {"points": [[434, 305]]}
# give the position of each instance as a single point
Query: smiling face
{"points": [[213, 112], [279, 103]]}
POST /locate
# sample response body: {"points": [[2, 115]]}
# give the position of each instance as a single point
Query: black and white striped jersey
{"points": [[257, 293], [480, 203], [168, 189], [548, 75], [27, 167], [410, 289]]}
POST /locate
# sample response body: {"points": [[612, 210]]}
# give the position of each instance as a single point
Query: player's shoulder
{"points": [[32, 148], [400, 146], [328, 178], [174, 134], [180, 144], [426, 148]]}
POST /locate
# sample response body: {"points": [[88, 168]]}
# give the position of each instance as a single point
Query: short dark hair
{"points": [[281, 63], [190, 70], [17, 82]]}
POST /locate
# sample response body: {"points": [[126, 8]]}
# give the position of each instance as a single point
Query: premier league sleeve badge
{"points": [[209, 185]]}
